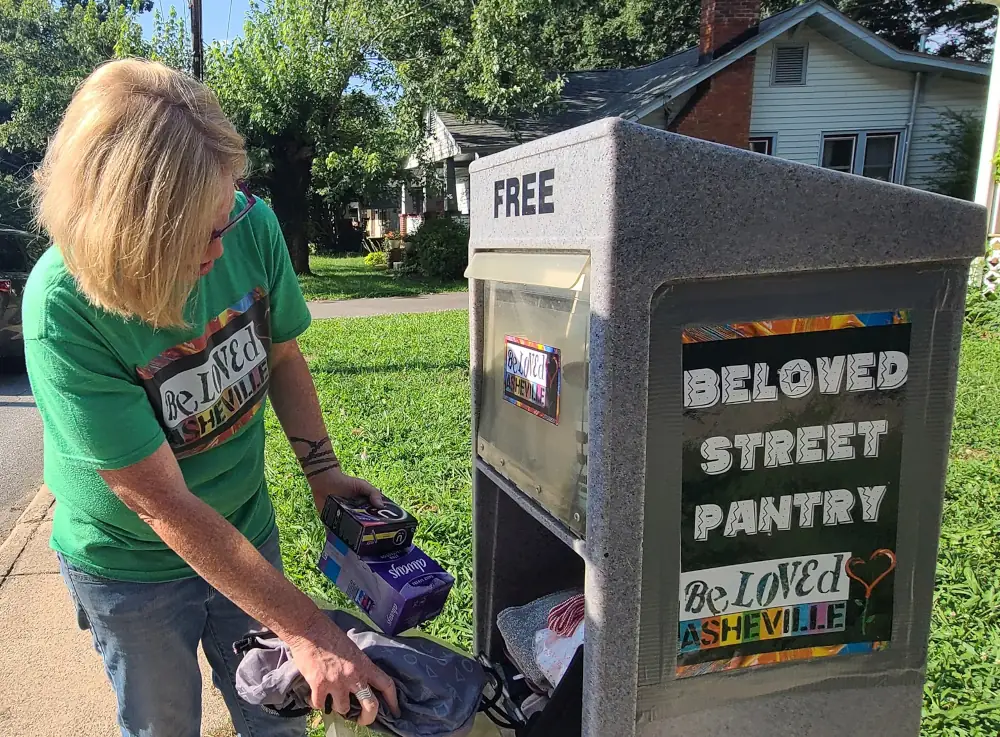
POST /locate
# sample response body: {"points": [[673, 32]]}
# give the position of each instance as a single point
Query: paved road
{"points": [[20, 448]]}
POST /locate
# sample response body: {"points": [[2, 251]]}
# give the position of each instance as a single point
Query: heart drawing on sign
{"points": [[869, 587]]}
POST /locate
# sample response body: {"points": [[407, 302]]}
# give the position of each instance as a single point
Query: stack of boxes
{"points": [[371, 557]]}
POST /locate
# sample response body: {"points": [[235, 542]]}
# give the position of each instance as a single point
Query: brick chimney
{"points": [[720, 108], [723, 21]]}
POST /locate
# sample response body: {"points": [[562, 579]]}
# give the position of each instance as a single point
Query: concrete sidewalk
{"points": [[51, 680], [389, 305]]}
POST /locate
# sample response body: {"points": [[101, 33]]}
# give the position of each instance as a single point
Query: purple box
{"points": [[397, 591]]}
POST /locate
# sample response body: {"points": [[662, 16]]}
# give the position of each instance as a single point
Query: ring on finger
{"points": [[364, 694]]}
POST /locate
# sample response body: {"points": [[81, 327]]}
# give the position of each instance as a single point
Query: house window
{"points": [[871, 155], [789, 65], [880, 157], [762, 145], [838, 153]]}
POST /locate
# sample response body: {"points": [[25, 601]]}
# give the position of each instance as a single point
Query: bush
{"points": [[377, 259], [439, 249], [960, 135]]}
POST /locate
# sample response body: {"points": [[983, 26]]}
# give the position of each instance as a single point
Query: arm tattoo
{"points": [[319, 458]]}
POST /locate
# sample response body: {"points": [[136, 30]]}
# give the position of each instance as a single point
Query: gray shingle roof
{"points": [[592, 95], [586, 96]]}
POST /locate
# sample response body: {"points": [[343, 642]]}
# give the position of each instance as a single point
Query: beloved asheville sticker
{"points": [[532, 377], [793, 432]]}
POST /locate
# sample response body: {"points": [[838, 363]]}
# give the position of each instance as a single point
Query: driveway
{"points": [[20, 448]]}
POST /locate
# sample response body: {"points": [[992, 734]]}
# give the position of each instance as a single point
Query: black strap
{"points": [[490, 705], [498, 708], [251, 642], [289, 712]]}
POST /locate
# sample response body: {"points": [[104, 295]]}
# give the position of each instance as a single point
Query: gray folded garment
{"points": [[439, 690], [518, 626]]}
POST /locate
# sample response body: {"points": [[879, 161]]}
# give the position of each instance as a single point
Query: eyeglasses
{"points": [[251, 201]]}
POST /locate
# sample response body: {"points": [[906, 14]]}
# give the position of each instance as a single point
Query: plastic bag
{"points": [[553, 654]]}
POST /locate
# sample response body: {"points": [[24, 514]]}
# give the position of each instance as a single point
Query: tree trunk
{"points": [[291, 178]]}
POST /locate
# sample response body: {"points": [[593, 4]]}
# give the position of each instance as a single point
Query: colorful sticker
{"points": [[206, 390], [793, 433], [780, 656], [532, 377]]}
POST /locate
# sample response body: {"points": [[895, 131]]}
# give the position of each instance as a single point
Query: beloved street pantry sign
{"points": [[793, 432]]}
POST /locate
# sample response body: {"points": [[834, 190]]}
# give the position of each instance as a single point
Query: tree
{"points": [[104, 7], [282, 84], [45, 52], [170, 42], [962, 28], [370, 140], [584, 34], [482, 59], [617, 33], [328, 95]]}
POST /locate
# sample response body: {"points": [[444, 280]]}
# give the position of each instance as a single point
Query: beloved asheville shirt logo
{"points": [[205, 390]]}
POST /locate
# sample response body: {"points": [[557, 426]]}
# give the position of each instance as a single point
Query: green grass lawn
{"points": [[347, 277], [394, 392], [962, 696]]}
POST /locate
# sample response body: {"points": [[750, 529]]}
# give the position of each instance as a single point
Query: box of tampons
{"points": [[397, 591]]}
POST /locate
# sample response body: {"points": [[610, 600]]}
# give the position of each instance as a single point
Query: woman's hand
{"points": [[335, 668], [337, 483]]}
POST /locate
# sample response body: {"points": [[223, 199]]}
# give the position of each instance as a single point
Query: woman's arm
{"points": [[154, 489], [293, 396]]}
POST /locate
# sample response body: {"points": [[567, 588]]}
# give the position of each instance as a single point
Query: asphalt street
{"points": [[20, 446]]}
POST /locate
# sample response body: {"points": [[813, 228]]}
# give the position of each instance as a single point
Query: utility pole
{"points": [[984, 272], [196, 39]]}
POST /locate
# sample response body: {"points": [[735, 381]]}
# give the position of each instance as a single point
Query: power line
{"points": [[229, 19]]}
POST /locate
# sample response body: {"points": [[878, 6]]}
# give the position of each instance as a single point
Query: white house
{"points": [[808, 84]]}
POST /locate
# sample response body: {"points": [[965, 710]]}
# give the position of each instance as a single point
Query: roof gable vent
{"points": [[789, 65]]}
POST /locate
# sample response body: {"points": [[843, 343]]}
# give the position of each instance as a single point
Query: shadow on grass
{"points": [[347, 277]]}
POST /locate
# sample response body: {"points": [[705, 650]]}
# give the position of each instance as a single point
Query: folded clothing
{"points": [[439, 690], [566, 617], [518, 626]]}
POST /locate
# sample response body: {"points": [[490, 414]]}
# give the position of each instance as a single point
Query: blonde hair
{"points": [[129, 187]]}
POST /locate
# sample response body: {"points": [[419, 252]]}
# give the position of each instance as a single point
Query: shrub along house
{"points": [[808, 84]]}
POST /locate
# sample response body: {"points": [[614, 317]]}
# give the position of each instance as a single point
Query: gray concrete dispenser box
{"points": [[716, 390]]}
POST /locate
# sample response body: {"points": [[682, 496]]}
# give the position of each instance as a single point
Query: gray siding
{"points": [[844, 93], [656, 119], [437, 146], [938, 94]]}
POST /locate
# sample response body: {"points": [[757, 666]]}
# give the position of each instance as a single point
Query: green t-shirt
{"points": [[110, 391]]}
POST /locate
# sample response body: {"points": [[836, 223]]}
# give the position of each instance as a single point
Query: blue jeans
{"points": [[147, 634]]}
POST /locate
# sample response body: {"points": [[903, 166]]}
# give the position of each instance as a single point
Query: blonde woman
{"points": [[156, 328]]}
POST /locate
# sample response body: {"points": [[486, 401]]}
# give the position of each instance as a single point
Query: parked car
{"points": [[15, 263]]}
